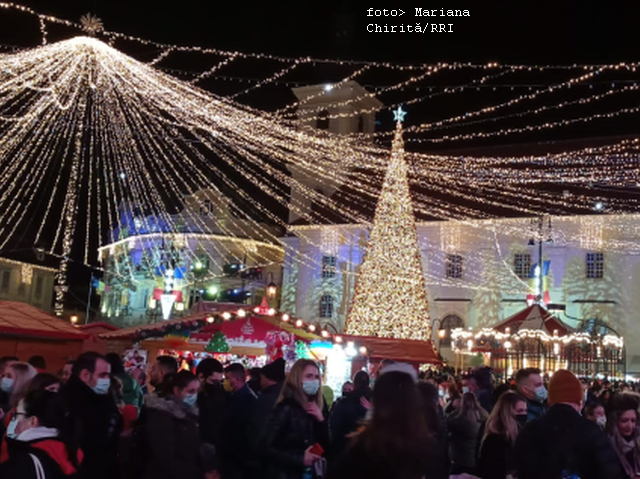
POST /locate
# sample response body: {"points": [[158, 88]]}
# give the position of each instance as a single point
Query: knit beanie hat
{"points": [[274, 371], [564, 387]]}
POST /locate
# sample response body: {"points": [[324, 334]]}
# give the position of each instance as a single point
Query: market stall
{"points": [[536, 338], [251, 337], [26, 330]]}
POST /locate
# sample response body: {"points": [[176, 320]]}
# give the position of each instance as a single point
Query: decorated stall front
{"points": [[251, 337], [536, 338]]}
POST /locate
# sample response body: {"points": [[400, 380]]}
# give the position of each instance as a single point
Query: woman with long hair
{"points": [[296, 430], [464, 427], [15, 380], [43, 447], [392, 445], [437, 448], [503, 425], [624, 432]]}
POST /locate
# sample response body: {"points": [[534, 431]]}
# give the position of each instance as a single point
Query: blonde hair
{"points": [[501, 420], [471, 409], [24, 373], [292, 388]]}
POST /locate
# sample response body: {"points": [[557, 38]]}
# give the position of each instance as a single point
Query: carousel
{"points": [[536, 338]]}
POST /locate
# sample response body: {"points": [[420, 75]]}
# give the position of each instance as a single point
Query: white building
{"points": [[27, 283]]}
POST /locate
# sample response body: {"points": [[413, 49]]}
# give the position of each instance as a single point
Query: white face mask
{"points": [[601, 421]]}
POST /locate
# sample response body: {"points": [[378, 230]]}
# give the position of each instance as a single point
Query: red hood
{"points": [[57, 451]]}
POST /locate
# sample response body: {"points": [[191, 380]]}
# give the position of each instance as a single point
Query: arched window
{"points": [[360, 124], [326, 306], [322, 122], [448, 324]]}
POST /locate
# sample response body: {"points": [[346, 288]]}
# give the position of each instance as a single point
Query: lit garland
{"points": [[390, 295]]}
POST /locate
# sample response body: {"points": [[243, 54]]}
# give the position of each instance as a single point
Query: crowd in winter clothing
{"points": [[94, 420]]}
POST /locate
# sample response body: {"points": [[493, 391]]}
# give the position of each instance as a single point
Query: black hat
{"points": [[274, 371]]}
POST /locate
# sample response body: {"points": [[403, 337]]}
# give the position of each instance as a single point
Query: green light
{"points": [[212, 290], [198, 265]]}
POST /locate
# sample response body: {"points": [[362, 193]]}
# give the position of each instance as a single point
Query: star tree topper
{"points": [[398, 115], [91, 24]]}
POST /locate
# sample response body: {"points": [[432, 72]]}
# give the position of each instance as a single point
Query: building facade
{"points": [[480, 272], [203, 253], [27, 283]]}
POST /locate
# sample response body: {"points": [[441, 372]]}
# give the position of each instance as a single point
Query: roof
{"points": [[21, 319], [405, 350], [135, 330], [534, 317], [98, 327]]}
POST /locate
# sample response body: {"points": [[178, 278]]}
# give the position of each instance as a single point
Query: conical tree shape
{"points": [[390, 297]]}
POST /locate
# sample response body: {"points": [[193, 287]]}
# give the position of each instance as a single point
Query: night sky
{"points": [[515, 31]]}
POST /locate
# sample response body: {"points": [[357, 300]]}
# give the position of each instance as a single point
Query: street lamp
{"points": [[74, 319]]}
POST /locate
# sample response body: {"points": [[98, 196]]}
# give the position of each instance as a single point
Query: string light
{"points": [[390, 294]]}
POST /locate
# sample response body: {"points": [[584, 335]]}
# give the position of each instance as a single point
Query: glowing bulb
{"points": [[328, 87], [242, 313], [74, 319], [325, 334], [285, 317], [363, 350], [226, 316], [210, 319], [271, 312], [338, 339], [312, 328], [299, 323]]}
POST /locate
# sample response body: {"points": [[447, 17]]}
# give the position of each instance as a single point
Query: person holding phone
{"points": [[296, 433]]}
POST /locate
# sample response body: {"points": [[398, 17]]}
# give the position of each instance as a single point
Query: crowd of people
{"points": [[94, 420]]}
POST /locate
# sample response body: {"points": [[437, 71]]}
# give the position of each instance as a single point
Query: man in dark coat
{"points": [[530, 386], [348, 413], [94, 415], [212, 401], [236, 463], [272, 378], [563, 442]]}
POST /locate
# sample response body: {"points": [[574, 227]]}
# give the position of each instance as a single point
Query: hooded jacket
{"points": [[172, 439], [43, 443]]}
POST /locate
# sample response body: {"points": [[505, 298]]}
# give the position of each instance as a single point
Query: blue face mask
{"points": [[311, 387], [6, 385], [102, 386], [190, 399], [11, 428], [541, 394]]}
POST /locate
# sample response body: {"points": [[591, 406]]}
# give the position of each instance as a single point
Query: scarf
{"points": [[623, 447]]}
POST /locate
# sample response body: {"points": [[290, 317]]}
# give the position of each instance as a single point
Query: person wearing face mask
{"points": [[562, 443], [595, 412], [624, 433], [237, 423], [212, 401], [93, 412], [296, 424], [14, 383], [42, 440], [171, 431], [509, 415], [530, 386]]}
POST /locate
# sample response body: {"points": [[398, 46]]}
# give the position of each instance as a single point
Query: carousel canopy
{"points": [[534, 317]]}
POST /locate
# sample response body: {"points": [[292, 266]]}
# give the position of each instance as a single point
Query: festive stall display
{"points": [[218, 343]]}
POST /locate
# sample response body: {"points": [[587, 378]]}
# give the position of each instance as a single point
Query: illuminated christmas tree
{"points": [[390, 297]]}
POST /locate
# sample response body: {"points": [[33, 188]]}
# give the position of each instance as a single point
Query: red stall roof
{"points": [[21, 319], [534, 317], [404, 350]]}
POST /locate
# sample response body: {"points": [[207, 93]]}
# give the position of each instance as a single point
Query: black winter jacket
{"points": [[97, 422], [212, 404], [51, 453], [172, 439], [496, 457], [463, 441], [563, 440], [265, 403], [288, 432], [345, 418]]}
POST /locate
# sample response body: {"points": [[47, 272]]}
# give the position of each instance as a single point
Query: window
{"points": [[328, 266], [326, 306], [6, 281], [448, 324], [22, 289], [454, 266], [595, 265], [522, 265], [37, 291], [360, 124], [322, 122], [206, 208]]}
